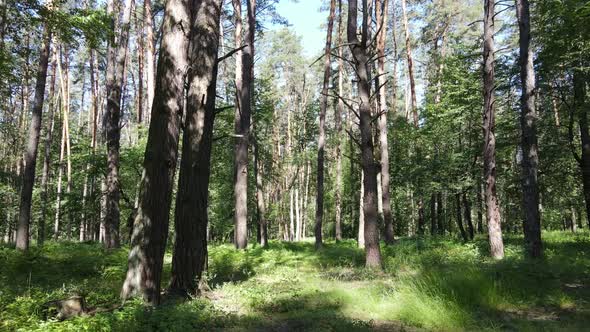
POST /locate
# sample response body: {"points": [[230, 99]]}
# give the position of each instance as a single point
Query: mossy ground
{"points": [[430, 284]]}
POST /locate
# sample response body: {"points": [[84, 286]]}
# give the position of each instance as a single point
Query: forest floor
{"points": [[427, 284]]}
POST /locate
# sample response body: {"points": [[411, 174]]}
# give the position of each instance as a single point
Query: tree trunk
{"points": [[361, 228], [528, 120], [190, 247], [319, 210], [117, 55], [260, 207], [24, 220], [244, 87], [579, 80], [459, 220], [410, 64], [338, 110], [440, 215], [149, 54], [421, 221], [359, 49], [150, 229], [489, 123], [381, 14], [433, 215], [467, 214]]}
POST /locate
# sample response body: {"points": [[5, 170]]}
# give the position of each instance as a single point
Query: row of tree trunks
{"points": [[150, 228]]}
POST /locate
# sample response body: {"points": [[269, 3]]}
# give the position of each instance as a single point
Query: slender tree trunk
{"points": [[440, 215], [319, 211], [361, 228], [381, 14], [528, 119], [244, 86], [24, 220], [467, 214], [150, 229], [117, 55], [489, 123], [47, 151], [359, 50], [480, 208], [339, 109], [433, 215], [190, 247], [421, 221], [56, 226], [260, 207], [410, 64], [149, 54], [459, 219]]}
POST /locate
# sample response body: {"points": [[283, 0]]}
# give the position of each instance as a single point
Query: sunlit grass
{"points": [[436, 284]]}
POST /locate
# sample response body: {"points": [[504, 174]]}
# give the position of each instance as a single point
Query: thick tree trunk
{"points": [[489, 123], [528, 119], [410, 64], [381, 14], [150, 229], [24, 220], [244, 88], [319, 209], [117, 55], [190, 247], [459, 219], [359, 49]]}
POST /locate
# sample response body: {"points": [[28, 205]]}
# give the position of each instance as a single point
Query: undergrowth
{"points": [[428, 283]]}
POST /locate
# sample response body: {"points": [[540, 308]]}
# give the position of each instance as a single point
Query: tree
{"points": [[244, 83], [528, 120], [117, 55], [190, 219], [489, 151], [319, 211], [359, 50], [150, 228], [24, 219]]}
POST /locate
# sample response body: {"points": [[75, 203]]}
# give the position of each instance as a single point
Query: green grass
{"points": [[431, 284]]}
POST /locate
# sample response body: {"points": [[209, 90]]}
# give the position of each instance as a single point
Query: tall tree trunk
{"points": [[361, 228], [117, 55], [260, 207], [421, 221], [150, 229], [149, 54], [47, 150], [440, 216], [381, 14], [528, 119], [319, 210], [459, 219], [410, 64], [244, 87], [580, 107], [480, 207], [359, 49], [489, 123], [190, 247], [24, 220], [339, 109]]}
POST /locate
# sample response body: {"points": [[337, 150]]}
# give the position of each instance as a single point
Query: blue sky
{"points": [[305, 19]]}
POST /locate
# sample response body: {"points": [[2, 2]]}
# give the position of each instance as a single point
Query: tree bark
{"points": [[467, 214], [150, 229], [381, 14], [149, 54], [117, 55], [528, 122], [580, 107], [190, 247], [319, 210], [244, 88], [24, 220], [359, 49], [489, 123], [433, 215], [260, 207], [361, 228]]}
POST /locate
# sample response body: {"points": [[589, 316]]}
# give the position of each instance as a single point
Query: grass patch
{"points": [[435, 284]]}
